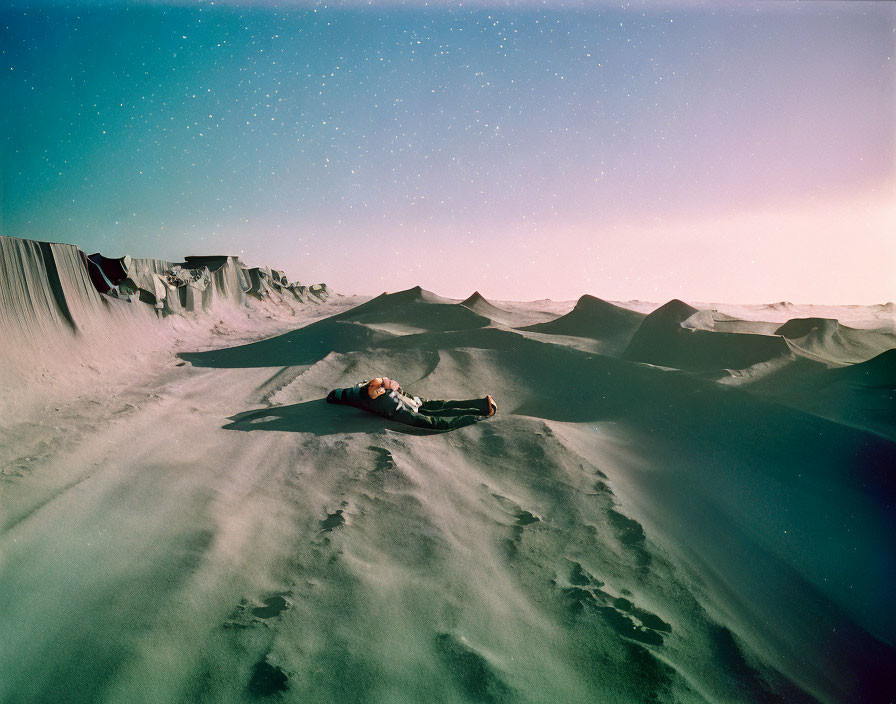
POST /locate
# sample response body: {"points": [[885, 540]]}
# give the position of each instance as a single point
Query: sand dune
{"points": [[596, 319], [830, 341], [716, 321], [662, 339], [184, 519], [478, 304], [860, 395], [415, 310]]}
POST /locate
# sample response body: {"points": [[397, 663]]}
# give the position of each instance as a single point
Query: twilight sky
{"points": [[740, 154]]}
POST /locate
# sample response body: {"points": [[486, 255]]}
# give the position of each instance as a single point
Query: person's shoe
{"points": [[492, 406]]}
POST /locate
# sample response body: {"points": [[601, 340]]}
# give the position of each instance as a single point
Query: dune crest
{"points": [[829, 340], [479, 304], [594, 318], [662, 339], [474, 298], [413, 310], [415, 294]]}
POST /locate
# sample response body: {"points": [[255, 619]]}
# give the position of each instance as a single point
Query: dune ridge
{"points": [[831, 341], [596, 319], [662, 339], [477, 303]]}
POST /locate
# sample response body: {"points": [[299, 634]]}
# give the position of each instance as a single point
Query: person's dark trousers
{"points": [[444, 415], [476, 406]]}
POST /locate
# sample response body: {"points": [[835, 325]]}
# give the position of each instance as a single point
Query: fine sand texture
{"points": [[675, 503]]}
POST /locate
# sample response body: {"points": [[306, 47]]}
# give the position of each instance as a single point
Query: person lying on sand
{"points": [[385, 397]]}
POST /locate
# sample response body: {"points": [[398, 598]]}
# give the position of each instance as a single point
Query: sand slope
{"points": [[210, 530], [663, 339], [828, 340], [597, 319], [861, 395]]}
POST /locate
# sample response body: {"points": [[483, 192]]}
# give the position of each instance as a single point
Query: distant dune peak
{"points": [[409, 293], [596, 319], [475, 297], [588, 301], [706, 319], [415, 309], [676, 308], [415, 294], [796, 328], [664, 339], [592, 305], [478, 302], [480, 305]]}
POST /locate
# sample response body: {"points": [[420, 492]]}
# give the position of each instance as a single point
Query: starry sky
{"points": [[744, 153]]}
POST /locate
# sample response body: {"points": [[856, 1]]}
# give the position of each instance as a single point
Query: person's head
{"points": [[380, 385]]}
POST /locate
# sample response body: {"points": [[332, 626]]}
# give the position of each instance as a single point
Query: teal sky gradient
{"points": [[742, 154]]}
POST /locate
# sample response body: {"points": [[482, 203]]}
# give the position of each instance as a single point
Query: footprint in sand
{"points": [[384, 459], [586, 593], [492, 443], [246, 616], [267, 679], [332, 521], [631, 534], [603, 488], [273, 606], [522, 518]]}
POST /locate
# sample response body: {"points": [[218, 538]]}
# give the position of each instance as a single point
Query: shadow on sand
{"points": [[320, 418]]}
